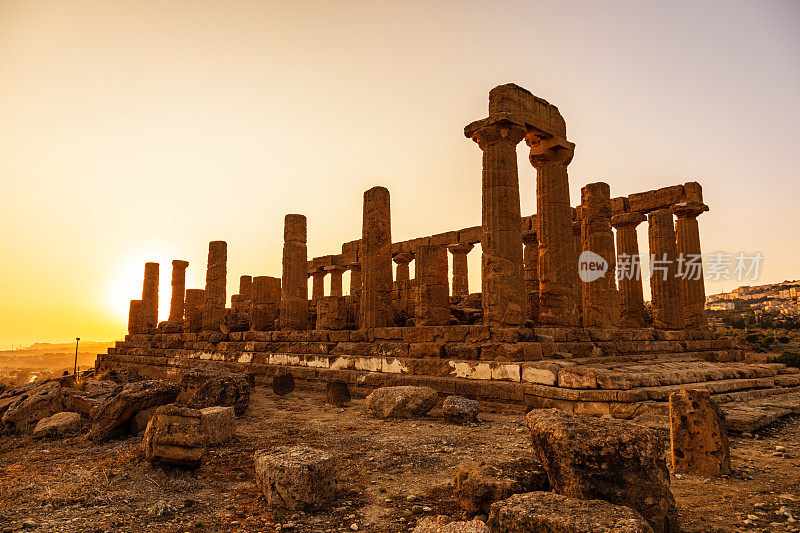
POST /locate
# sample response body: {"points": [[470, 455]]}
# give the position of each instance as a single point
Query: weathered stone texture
{"points": [[459, 409], [58, 425], [41, 401], [176, 302], [478, 485], [530, 260], [698, 436], [294, 283], [692, 286], [215, 293], [135, 317], [297, 477], [332, 313], [460, 252], [613, 460], [150, 297], [664, 284], [265, 306], [113, 417], [173, 436], [217, 424], [202, 388], [600, 297], [445, 524], [632, 313], [432, 302], [401, 402], [195, 300], [376, 264]]}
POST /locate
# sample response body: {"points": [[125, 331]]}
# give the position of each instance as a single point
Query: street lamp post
{"points": [[75, 372]]}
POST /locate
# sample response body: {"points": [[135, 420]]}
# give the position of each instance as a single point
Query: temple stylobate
{"points": [[540, 332]]}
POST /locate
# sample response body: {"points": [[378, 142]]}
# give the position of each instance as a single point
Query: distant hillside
{"points": [[45, 355]]}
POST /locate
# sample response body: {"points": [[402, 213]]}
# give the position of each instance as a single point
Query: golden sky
{"points": [[140, 130]]}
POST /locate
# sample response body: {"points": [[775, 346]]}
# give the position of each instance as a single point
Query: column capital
{"points": [[628, 219], [689, 209], [335, 269], [317, 272], [354, 266], [549, 150], [178, 263], [403, 258], [494, 132], [461, 248]]}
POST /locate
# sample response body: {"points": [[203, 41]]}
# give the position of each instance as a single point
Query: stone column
{"points": [[502, 275], [245, 291], [294, 284], [577, 248], [402, 290], [331, 313], [355, 278], [460, 268], [631, 295], [195, 299], [666, 296], [601, 300], [216, 277], [376, 293], [178, 290], [265, 303], [557, 297], [336, 272], [432, 302], [403, 271], [135, 317], [692, 286], [530, 259], [150, 297], [317, 284]]}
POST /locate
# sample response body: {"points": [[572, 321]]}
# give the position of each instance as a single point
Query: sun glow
{"points": [[127, 284]]}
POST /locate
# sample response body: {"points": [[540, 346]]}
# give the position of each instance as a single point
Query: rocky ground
{"points": [[396, 472]]}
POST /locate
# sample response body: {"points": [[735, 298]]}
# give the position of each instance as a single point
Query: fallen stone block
{"points": [[283, 384], [459, 410], [401, 402], [445, 524], [58, 425], [698, 437], [297, 477], [206, 388], [113, 417], [174, 437], [613, 460], [141, 419], [218, 424], [537, 512], [337, 393], [24, 412], [479, 485]]}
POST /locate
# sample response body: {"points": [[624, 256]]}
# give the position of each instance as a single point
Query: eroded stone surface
{"points": [[58, 425], [445, 524], [297, 477], [478, 485], [698, 436], [459, 409], [173, 436], [401, 402], [113, 416]]}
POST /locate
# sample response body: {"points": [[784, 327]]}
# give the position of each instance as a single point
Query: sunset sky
{"points": [[135, 131]]}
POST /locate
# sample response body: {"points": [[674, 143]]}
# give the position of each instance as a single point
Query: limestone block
{"points": [[477, 485], [337, 393], [58, 425], [401, 402], [445, 524], [113, 417], [207, 388], [39, 401], [698, 436], [459, 409], [545, 511], [173, 437], [297, 477], [217, 424], [613, 460]]}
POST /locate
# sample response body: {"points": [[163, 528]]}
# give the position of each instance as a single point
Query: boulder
{"points": [[460, 410], [173, 436], [297, 477], [401, 402], [24, 412], [206, 388], [537, 512], [94, 394], [445, 524], [613, 460], [113, 417], [698, 437], [218, 424], [337, 393], [58, 425], [141, 419], [479, 485], [283, 384]]}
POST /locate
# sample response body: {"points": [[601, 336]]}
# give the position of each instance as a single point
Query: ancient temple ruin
{"points": [[536, 334]]}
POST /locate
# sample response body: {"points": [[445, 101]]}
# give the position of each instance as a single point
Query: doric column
{"points": [[135, 317], [530, 259], [557, 297], [460, 268], [245, 291], [294, 283], [432, 302], [216, 277], [355, 278], [265, 303], [693, 290], [195, 299], [666, 296], [502, 276], [317, 284], [178, 290], [376, 263], [150, 297], [402, 291], [403, 271], [601, 301], [336, 272], [577, 248], [629, 267]]}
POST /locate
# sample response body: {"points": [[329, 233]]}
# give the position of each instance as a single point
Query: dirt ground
{"points": [[395, 472]]}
